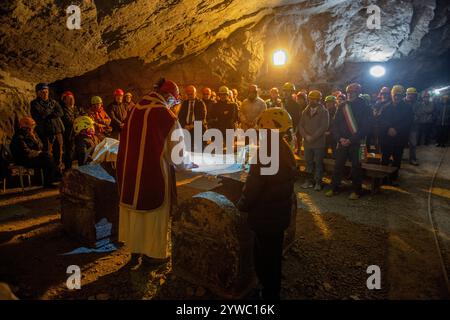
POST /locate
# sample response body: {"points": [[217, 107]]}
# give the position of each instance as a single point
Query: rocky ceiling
{"points": [[129, 44]]}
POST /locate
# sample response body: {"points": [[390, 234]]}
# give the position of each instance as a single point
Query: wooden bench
{"points": [[376, 172]]}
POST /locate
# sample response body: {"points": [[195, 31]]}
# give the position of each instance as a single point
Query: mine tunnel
{"points": [[224, 149]]}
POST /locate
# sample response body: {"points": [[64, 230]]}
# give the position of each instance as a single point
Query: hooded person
{"points": [[145, 173]]}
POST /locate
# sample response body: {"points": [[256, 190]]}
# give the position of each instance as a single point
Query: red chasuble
{"points": [[139, 173]]}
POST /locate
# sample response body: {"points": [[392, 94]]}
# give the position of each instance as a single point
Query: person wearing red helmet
{"points": [[145, 173], [71, 112], [28, 151], [117, 111]]}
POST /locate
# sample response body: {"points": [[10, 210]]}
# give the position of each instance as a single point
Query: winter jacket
{"points": [[294, 109], [47, 115], [223, 115], [314, 126], [400, 118], [102, 122], [362, 115], [424, 112], [25, 146], [118, 114], [268, 199]]}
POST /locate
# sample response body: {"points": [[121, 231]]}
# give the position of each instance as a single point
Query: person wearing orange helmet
{"points": [[117, 111], [350, 127], [28, 151], [71, 112], [145, 173]]}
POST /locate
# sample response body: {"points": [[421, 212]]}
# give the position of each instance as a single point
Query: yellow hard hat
{"points": [[82, 123], [288, 86], [96, 100], [330, 99], [397, 89], [315, 95], [224, 90], [411, 90], [274, 118]]}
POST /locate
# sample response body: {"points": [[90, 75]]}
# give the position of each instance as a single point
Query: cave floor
{"points": [[336, 241]]}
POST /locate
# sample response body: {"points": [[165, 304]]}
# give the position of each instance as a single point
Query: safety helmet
{"points": [[82, 123], [315, 95], [224, 90], [67, 94], [330, 99], [206, 91], [354, 87], [118, 92], [397, 89], [27, 122], [274, 90], [41, 86], [411, 90], [385, 90], [170, 87], [274, 118], [96, 100], [288, 86], [128, 94]]}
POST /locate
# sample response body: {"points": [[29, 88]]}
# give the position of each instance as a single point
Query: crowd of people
{"points": [[340, 125], [62, 132]]}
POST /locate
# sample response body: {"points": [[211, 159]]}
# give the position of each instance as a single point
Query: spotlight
{"points": [[377, 71], [279, 58]]}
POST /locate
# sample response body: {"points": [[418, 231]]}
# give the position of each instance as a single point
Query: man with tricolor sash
{"points": [[350, 128]]}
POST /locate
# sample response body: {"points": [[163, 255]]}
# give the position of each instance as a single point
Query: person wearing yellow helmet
{"points": [[102, 121], [443, 120], [28, 151], [224, 114], [269, 200], [350, 128], [395, 124], [313, 125], [412, 100], [85, 139]]}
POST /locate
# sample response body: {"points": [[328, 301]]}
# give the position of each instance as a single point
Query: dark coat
{"points": [[223, 115], [25, 147], [398, 117], [84, 145], [362, 114], [118, 114], [294, 109], [268, 199], [199, 112], [47, 115]]}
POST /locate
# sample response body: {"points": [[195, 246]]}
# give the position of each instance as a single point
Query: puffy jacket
{"points": [[362, 114], [47, 115], [268, 199], [25, 147]]}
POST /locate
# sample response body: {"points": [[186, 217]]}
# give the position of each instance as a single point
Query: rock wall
{"points": [[130, 44]]}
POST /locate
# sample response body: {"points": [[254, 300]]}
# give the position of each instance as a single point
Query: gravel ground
{"points": [[337, 240]]}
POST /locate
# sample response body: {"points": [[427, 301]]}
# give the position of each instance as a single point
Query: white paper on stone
{"points": [[219, 164], [106, 151]]}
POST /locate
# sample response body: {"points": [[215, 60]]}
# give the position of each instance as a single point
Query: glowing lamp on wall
{"points": [[279, 58]]}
